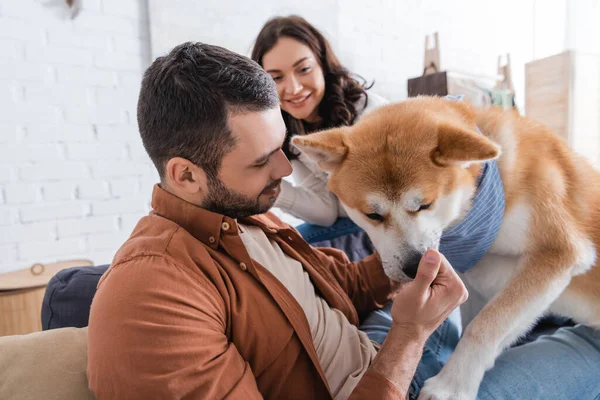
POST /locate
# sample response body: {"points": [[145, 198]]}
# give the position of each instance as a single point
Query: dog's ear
{"points": [[327, 148], [457, 145]]}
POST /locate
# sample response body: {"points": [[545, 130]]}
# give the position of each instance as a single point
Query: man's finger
{"points": [[429, 267]]}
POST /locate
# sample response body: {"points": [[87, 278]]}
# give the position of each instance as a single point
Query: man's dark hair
{"points": [[186, 98]]}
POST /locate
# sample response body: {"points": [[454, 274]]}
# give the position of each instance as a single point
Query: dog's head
{"points": [[404, 173]]}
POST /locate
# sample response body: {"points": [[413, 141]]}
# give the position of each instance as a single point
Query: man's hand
{"points": [[419, 308], [421, 305]]}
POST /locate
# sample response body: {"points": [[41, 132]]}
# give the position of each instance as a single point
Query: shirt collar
{"points": [[205, 225]]}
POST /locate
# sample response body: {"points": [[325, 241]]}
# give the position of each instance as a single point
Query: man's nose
{"points": [[282, 164]]}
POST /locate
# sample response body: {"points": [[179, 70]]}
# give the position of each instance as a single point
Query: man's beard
{"points": [[222, 200]]}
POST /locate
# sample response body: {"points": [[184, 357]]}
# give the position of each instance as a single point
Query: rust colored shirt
{"points": [[185, 313]]}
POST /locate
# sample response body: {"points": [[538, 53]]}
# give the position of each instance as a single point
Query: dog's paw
{"points": [[437, 389]]}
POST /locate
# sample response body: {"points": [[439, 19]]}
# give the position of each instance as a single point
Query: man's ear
{"points": [[186, 176], [327, 148], [457, 145]]}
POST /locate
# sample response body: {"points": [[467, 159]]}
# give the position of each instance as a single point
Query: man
{"points": [[210, 299]]}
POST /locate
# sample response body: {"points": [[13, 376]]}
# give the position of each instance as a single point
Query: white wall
{"points": [[74, 177], [583, 26], [382, 40]]}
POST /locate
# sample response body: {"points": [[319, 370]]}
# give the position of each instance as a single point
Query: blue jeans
{"points": [[344, 235], [436, 352], [317, 233], [562, 365]]}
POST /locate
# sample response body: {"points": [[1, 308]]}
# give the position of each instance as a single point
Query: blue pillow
{"points": [[69, 296]]}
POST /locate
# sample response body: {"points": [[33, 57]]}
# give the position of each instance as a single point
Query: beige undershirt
{"points": [[344, 352]]}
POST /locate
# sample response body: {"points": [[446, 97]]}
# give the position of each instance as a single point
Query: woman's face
{"points": [[299, 78]]}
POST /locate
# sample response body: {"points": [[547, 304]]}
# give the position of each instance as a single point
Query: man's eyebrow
{"points": [[295, 64], [264, 157]]}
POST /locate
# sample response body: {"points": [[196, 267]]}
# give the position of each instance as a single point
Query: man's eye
{"points": [[262, 165], [424, 207], [375, 216], [276, 78]]}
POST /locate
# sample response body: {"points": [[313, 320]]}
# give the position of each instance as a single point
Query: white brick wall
{"points": [[383, 40], [76, 227], [71, 161]]}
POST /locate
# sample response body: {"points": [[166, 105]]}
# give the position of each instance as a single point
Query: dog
{"points": [[408, 172]]}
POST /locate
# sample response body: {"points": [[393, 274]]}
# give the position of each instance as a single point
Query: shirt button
{"points": [[211, 239], [225, 226], [243, 266]]}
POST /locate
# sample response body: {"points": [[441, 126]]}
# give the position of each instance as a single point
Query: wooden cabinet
{"points": [[563, 92], [21, 295]]}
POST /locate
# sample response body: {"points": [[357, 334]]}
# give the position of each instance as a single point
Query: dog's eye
{"points": [[375, 216], [424, 207]]}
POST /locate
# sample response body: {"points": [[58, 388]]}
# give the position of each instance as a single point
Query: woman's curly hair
{"points": [[342, 90]]}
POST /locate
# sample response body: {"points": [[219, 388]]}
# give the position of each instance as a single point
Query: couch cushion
{"points": [[69, 296], [45, 365]]}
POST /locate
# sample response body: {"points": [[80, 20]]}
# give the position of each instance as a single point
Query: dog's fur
{"points": [[427, 150]]}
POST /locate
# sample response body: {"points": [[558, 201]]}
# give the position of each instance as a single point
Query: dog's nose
{"points": [[412, 264]]}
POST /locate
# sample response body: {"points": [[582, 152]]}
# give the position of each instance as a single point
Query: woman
{"points": [[316, 93]]}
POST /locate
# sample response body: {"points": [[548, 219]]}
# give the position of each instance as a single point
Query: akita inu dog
{"points": [[409, 171]]}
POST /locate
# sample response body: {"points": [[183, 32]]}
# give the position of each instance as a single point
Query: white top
{"points": [[344, 352], [309, 198]]}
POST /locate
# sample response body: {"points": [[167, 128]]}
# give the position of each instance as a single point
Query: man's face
{"points": [[249, 179]]}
